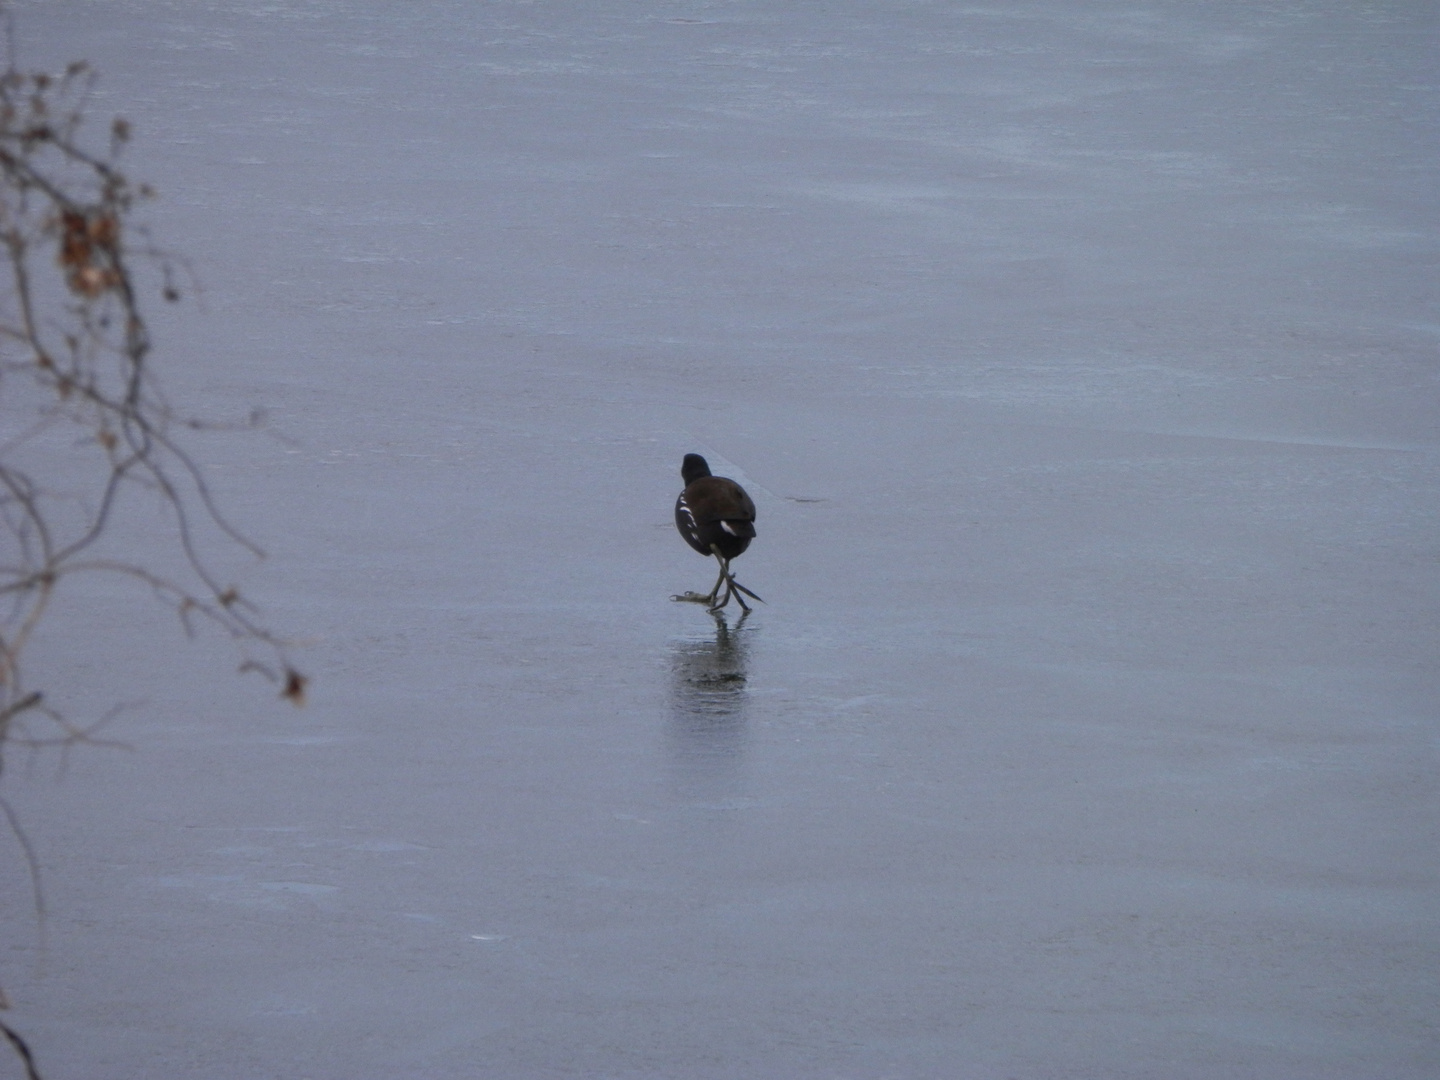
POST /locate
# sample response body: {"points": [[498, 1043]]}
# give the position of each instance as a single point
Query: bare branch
{"points": [[75, 349], [22, 1050]]}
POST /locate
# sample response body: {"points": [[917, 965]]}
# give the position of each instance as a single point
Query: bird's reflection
{"points": [[707, 709]]}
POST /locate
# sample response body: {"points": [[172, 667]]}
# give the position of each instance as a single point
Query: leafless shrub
{"points": [[75, 360]]}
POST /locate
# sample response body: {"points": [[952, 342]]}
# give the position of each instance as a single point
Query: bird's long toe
{"points": [[747, 592], [694, 598]]}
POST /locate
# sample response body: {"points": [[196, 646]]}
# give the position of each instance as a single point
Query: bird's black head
{"points": [[693, 468]]}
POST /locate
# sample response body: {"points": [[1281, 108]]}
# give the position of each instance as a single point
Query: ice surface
{"points": [[1081, 359]]}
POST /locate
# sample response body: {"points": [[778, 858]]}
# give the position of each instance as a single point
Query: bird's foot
{"points": [[694, 598], [747, 592]]}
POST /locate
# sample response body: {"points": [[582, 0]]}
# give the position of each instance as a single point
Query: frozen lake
{"points": [[1081, 359]]}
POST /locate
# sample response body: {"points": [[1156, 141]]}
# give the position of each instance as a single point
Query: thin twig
{"points": [[22, 1051], [74, 339]]}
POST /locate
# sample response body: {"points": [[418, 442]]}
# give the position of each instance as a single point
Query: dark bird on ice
{"points": [[715, 517]]}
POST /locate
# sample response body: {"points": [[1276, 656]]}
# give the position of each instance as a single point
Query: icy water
{"points": [[1081, 359]]}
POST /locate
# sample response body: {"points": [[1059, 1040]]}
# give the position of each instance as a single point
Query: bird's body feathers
{"points": [[715, 517]]}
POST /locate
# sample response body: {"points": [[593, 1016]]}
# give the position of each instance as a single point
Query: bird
{"points": [[715, 517]]}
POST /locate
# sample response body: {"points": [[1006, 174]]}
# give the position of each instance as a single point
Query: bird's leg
{"points": [[707, 600], [732, 587], [730, 591], [724, 579], [730, 584], [736, 588]]}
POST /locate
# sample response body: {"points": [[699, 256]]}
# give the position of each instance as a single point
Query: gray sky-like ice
{"points": [[1081, 358]]}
